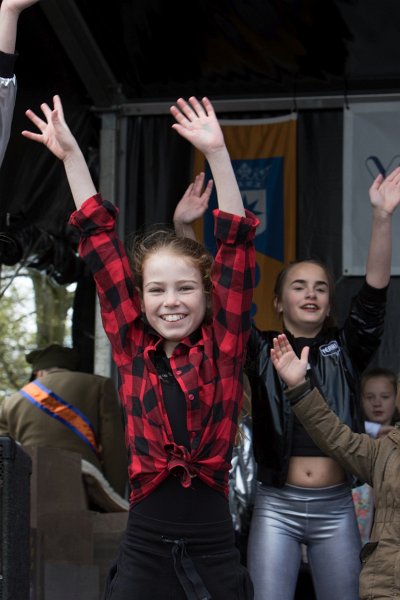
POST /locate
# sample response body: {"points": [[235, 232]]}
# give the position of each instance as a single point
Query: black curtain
{"points": [[319, 164], [158, 172]]}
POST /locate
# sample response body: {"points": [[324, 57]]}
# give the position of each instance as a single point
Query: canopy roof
{"points": [[152, 49]]}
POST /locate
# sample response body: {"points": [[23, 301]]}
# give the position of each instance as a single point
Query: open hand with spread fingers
{"points": [[290, 368], [54, 131], [197, 122]]}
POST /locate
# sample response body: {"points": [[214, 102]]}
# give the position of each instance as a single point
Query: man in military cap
{"points": [[64, 408]]}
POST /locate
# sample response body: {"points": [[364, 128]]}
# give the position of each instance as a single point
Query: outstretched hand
{"points": [[290, 368], [57, 137], [196, 122], [194, 202], [385, 192], [54, 131]]}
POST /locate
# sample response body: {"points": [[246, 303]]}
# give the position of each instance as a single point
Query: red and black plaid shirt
{"points": [[207, 364]]}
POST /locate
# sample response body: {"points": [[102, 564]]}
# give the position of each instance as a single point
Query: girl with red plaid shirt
{"points": [[178, 322]]}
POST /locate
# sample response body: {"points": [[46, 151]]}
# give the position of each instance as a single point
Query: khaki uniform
{"points": [[96, 397], [377, 462]]}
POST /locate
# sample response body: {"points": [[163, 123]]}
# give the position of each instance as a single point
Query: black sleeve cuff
{"points": [[372, 294], [299, 392], [7, 64]]}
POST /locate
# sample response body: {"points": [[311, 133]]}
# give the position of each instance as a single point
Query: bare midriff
{"points": [[314, 471]]}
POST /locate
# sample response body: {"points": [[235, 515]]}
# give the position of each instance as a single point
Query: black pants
{"points": [[159, 560]]}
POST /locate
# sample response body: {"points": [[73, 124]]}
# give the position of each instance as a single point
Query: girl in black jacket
{"points": [[304, 497]]}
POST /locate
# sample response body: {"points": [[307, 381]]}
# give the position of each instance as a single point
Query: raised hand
{"points": [[54, 131], [385, 192], [196, 122], [57, 137], [9, 15], [194, 202], [290, 368]]}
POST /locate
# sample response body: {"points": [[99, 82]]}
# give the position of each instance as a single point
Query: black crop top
{"points": [[302, 444]]}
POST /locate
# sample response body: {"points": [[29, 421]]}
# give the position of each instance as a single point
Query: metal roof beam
{"points": [[284, 103]]}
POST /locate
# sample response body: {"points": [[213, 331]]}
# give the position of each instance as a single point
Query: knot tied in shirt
{"points": [[179, 464]]}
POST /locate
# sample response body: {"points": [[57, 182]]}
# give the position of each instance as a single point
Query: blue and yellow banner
{"points": [[263, 154]]}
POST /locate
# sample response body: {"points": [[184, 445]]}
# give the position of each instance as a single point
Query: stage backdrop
{"points": [[263, 154], [371, 145]]}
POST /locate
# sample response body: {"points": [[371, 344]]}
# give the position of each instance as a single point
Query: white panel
{"points": [[371, 144]]}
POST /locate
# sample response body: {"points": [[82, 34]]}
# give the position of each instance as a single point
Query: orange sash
{"points": [[67, 414]]}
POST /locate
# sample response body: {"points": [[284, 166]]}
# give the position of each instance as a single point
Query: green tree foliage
{"points": [[52, 303], [34, 312]]}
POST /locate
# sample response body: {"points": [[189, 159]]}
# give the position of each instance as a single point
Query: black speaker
{"points": [[15, 471]]}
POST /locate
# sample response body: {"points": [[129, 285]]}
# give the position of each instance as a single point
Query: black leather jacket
{"points": [[337, 357]]}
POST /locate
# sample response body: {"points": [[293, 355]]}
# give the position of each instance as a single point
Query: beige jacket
{"points": [[97, 398], [377, 462]]}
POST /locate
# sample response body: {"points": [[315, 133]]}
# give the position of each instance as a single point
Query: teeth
{"points": [[172, 318]]}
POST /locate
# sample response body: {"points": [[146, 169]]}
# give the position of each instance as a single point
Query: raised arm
{"points": [[196, 122], [192, 206], [9, 14], [57, 137], [385, 197]]}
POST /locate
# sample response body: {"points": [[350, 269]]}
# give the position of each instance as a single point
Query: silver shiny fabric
{"points": [[242, 479], [321, 518]]}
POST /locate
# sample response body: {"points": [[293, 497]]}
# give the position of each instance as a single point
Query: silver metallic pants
{"points": [[323, 519]]}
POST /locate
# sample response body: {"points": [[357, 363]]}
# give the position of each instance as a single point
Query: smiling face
{"points": [[379, 400], [304, 302], [173, 297]]}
